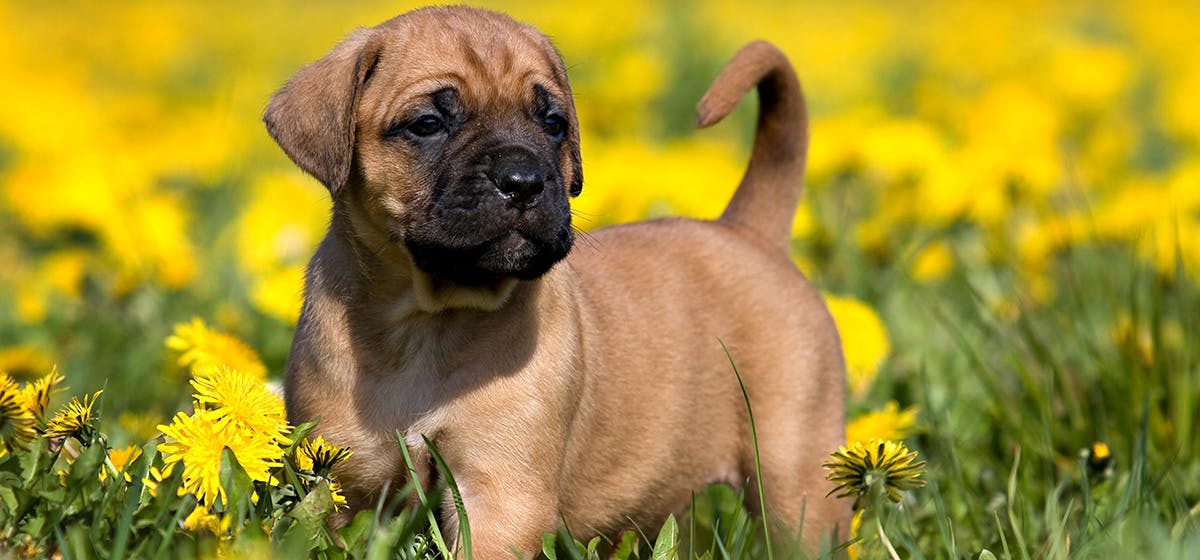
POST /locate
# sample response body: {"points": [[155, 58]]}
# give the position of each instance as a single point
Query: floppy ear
{"points": [[577, 163], [573, 135], [312, 116]]}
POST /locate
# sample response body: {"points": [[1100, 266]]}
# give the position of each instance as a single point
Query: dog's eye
{"points": [[554, 125], [427, 125]]}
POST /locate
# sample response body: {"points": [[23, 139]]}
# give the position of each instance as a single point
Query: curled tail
{"points": [[765, 202]]}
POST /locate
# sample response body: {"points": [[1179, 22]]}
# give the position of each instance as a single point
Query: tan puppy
{"points": [[590, 391]]}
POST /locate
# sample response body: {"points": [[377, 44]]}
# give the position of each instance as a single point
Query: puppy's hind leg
{"points": [[799, 421]]}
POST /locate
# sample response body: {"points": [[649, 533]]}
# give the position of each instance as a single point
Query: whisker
{"points": [[586, 216], [586, 238]]}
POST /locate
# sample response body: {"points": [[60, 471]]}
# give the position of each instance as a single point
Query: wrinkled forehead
{"points": [[488, 58]]}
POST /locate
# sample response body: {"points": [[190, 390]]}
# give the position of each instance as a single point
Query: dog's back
{"points": [[735, 276]]}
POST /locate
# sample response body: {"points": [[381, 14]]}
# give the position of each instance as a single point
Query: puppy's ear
{"points": [[574, 156], [312, 116], [576, 164]]}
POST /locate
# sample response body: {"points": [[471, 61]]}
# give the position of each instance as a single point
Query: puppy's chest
{"points": [[405, 381]]}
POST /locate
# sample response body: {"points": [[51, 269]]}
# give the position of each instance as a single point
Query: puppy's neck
{"points": [[391, 274], [433, 295]]}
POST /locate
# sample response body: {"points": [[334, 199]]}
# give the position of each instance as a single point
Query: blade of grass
{"points": [[169, 531], [1003, 538], [464, 525], [988, 375], [1013, 519], [1060, 543], [692, 527], [1067, 392], [1180, 527], [717, 542], [940, 434], [942, 518], [434, 530], [385, 513], [1133, 496], [375, 518], [1085, 489], [125, 522], [762, 501]]}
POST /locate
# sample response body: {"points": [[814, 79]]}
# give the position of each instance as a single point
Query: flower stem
{"points": [[112, 469], [883, 537]]}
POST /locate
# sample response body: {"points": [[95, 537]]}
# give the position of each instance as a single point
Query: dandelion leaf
{"points": [[311, 512], [86, 469], [627, 548], [549, 540], [79, 543], [593, 547], [34, 463], [238, 486], [356, 533], [382, 546], [666, 546], [298, 434]]}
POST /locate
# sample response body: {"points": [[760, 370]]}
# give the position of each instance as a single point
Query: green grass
{"points": [[1009, 406]]}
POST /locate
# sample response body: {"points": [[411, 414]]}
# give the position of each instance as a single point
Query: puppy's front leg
{"points": [[507, 517], [509, 495]]}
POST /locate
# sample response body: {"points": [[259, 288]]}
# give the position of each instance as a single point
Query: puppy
{"points": [[584, 387]]}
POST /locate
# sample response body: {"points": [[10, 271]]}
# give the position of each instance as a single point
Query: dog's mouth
{"points": [[513, 254], [503, 215]]}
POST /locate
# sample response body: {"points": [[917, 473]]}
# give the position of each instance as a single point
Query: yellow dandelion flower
{"points": [[335, 491], [877, 466], [240, 402], [120, 458], [203, 519], [197, 441], [278, 292], [27, 547], [864, 340], [36, 394], [158, 476], [201, 347], [933, 262], [16, 423], [1099, 460], [855, 532], [319, 456], [24, 361], [888, 423], [74, 420]]}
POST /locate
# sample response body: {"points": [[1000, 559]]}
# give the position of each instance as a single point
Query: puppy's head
{"points": [[449, 132]]}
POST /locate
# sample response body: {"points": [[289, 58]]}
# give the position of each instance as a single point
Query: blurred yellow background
{"points": [[136, 178]]}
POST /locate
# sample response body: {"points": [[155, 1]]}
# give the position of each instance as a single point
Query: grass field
{"points": [[1002, 206]]}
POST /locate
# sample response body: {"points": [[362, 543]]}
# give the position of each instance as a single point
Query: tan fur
{"points": [[597, 395]]}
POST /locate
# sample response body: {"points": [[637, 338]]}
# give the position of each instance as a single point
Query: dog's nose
{"points": [[519, 183]]}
